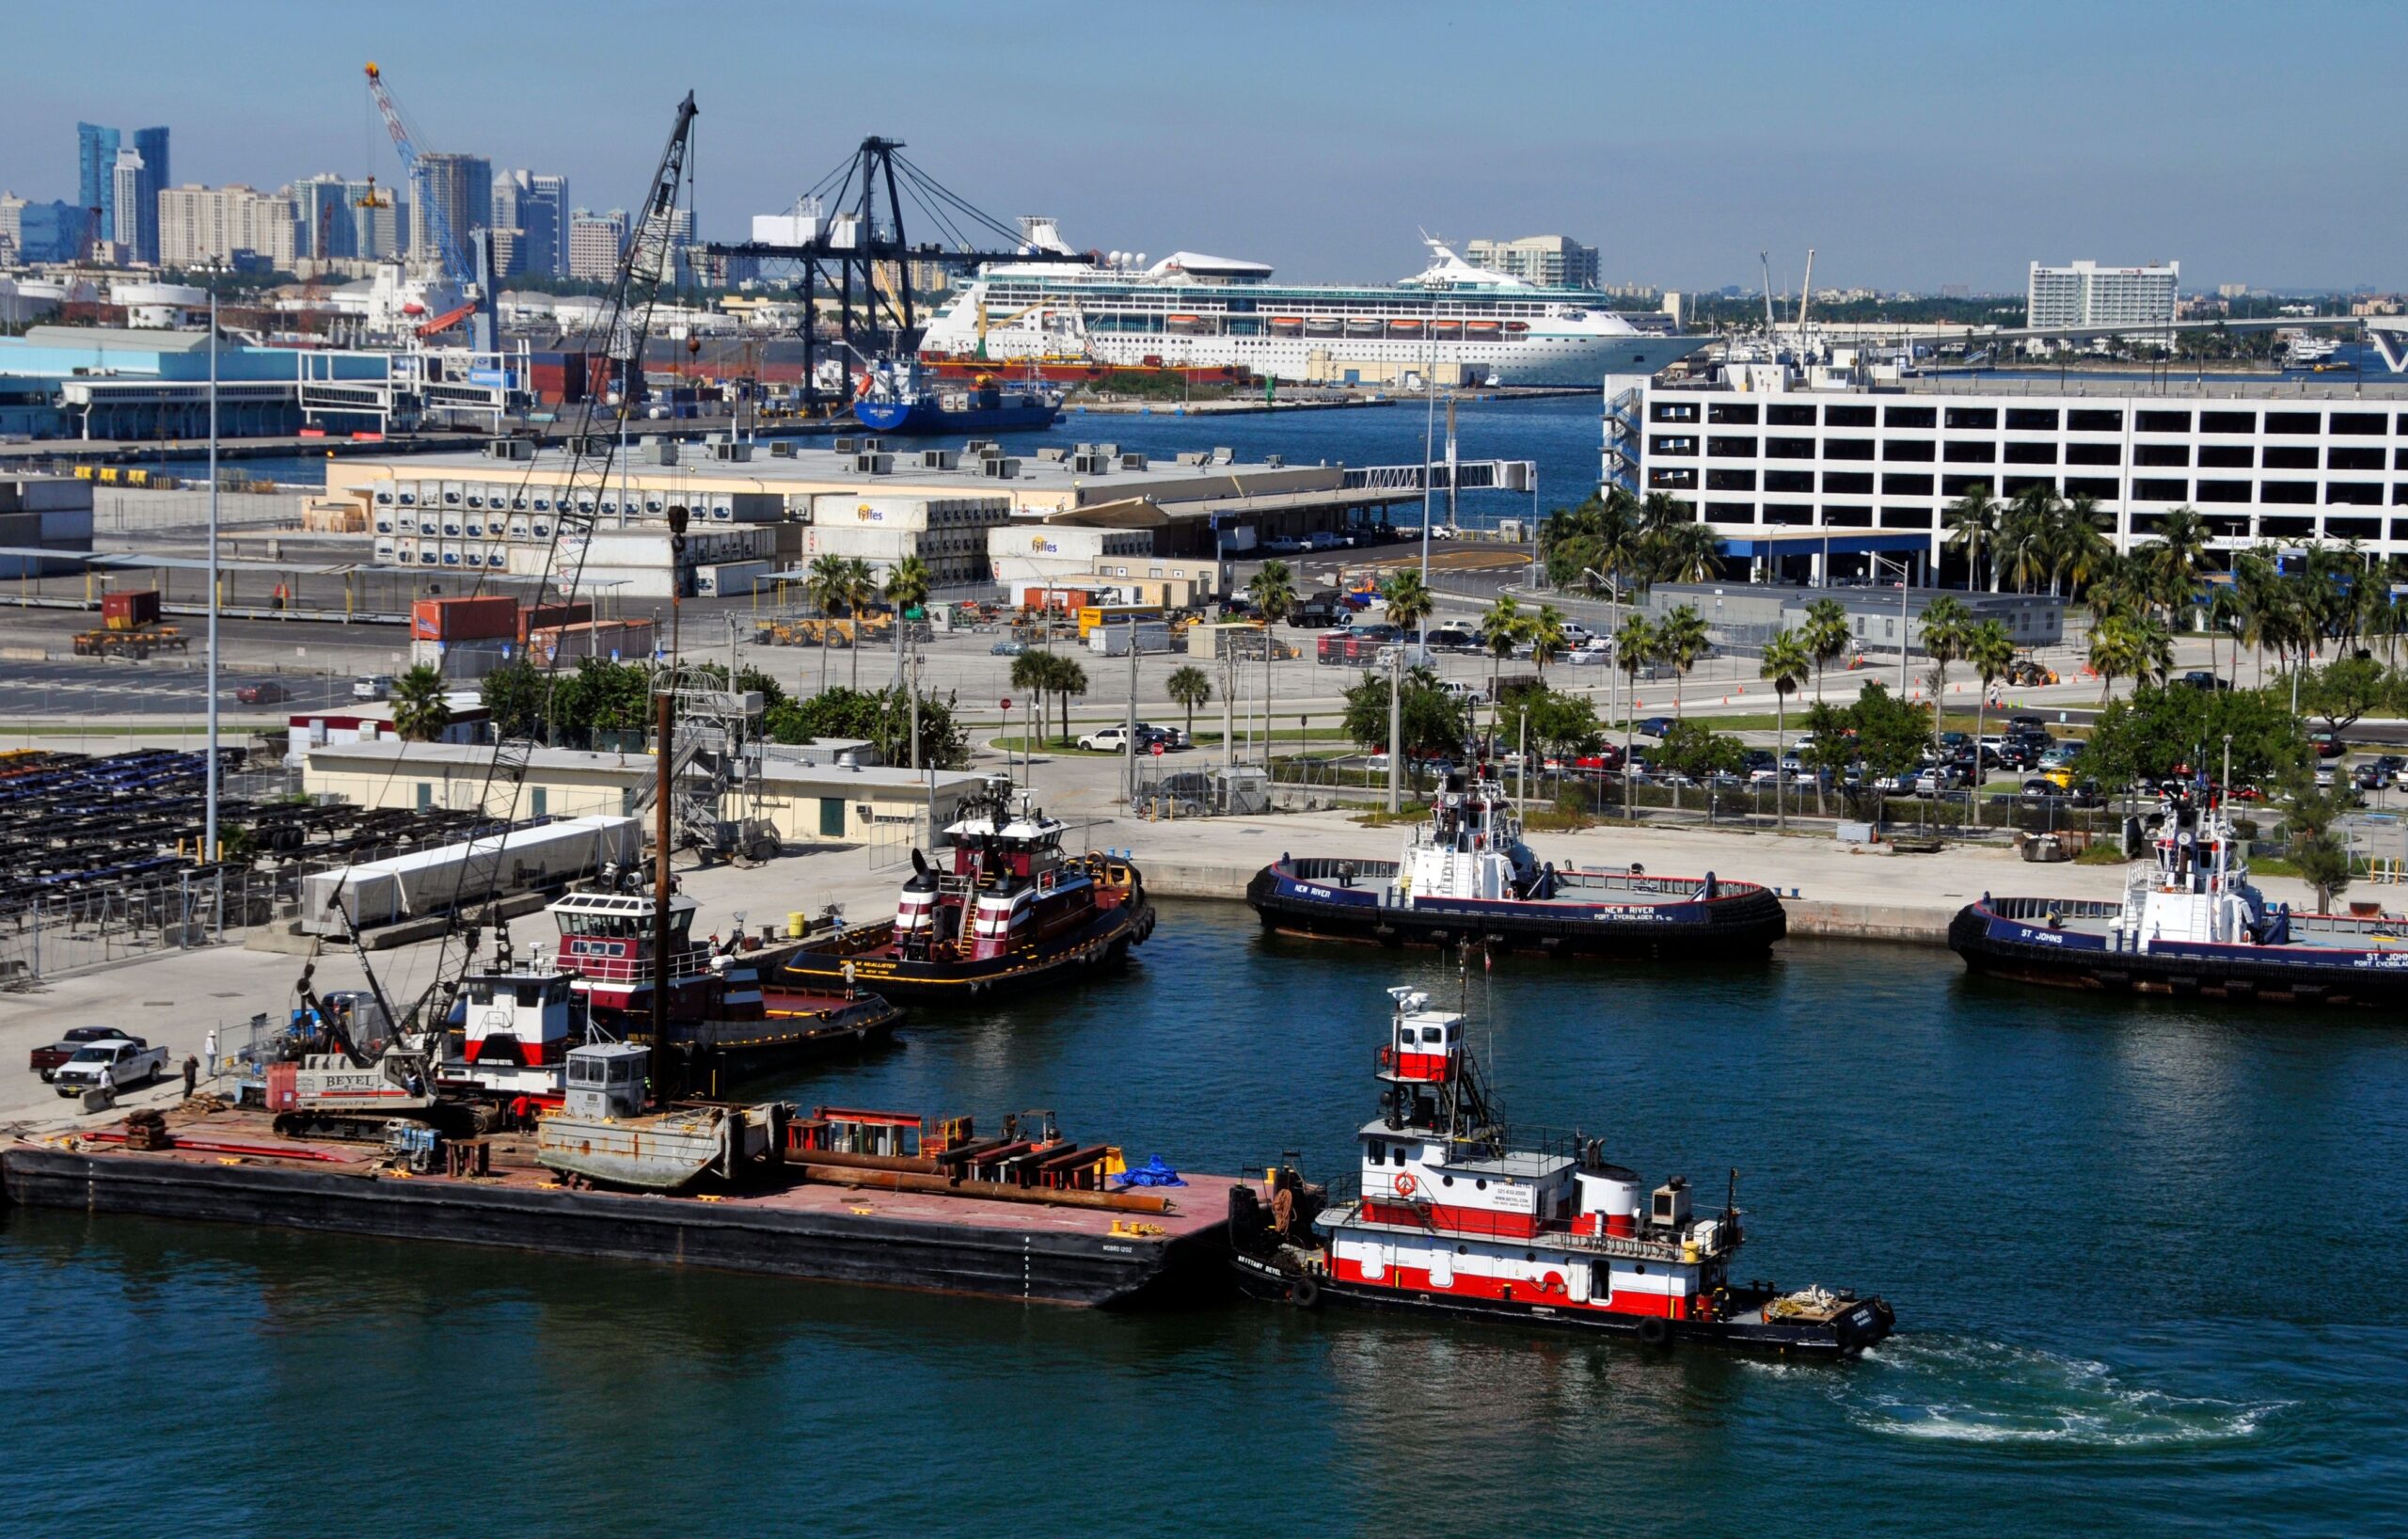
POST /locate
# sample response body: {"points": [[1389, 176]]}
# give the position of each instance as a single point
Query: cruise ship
{"points": [[1453, 322]]}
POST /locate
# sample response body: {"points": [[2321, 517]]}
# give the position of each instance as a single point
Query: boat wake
{"points": [[1967, 1390]]}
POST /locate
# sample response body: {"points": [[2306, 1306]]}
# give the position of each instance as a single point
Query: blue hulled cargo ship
{"points": [[898, 396]]}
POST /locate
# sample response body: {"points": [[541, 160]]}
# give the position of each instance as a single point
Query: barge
{"points": [[1467, 876], [1450, 1217], [225, 1166], [2191, 923]]}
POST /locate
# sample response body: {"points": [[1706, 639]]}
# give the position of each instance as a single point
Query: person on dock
{"points": [[192, 1074]]}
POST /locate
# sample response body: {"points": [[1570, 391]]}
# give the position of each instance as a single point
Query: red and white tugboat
{"points": [[1016, 909], [1451, 1218]]}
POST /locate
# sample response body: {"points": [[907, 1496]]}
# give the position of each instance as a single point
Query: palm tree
{"points": [[1546, 638], [1189, 686], [1681, 640], [1274, 593], [1826, 636], [1032, 675], [2176, 561], [1635, 651], [1690, 552], [1502, 630], [1408, 598], [1991, 651], [2078, 553], [861, 586], [1972, 519], [1065, 680], [2021, 548], [2228, 615], [825, 583], [1946, 624], [1786, 663], [2117, 650], [420, 709]]}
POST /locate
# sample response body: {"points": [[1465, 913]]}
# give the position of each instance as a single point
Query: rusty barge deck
{"points": [[229, 1168]]}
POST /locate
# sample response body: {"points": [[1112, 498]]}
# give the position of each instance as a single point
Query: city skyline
{"points": [[1863, 131]]}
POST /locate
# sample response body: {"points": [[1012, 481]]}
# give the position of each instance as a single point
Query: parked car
{"points": [[1454, 639], [1111, 739], [371, 687], [265, 692], [2200, 678], [1656, 726], [2376, 773], [111, 1064], [46, 1060], [1007, 649], [2328, 745]]}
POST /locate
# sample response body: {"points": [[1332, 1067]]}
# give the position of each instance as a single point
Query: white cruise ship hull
{"points": [[1533, 361]]}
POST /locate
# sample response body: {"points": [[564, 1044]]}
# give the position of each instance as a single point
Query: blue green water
{"points": [[2148, 1264]]}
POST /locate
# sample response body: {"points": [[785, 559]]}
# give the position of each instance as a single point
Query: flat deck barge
{"points": [[228, 1166]]}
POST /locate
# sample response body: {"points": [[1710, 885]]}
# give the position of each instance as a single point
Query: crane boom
{"points": [[448, 249]]}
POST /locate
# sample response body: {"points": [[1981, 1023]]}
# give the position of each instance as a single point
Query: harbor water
{"points": [[2147, 1259]]}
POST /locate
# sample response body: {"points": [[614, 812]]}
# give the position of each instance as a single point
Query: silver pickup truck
{"points": [[114, 1065]]}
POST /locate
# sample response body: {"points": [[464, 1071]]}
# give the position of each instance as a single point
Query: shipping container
{"points": [[130, 609], [552, 616], [463, 619], [1056, 598], [730, 580]]}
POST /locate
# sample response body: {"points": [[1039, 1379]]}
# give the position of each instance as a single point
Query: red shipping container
{"points": [[130, 609], [488, 619], [551, 617]]}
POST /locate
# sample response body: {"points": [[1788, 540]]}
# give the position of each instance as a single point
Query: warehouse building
{"points": [[808, 802]]}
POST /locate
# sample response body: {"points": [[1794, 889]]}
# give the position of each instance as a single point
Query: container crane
{"points": [[450, 257]]}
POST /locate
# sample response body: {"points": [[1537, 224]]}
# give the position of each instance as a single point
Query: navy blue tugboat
{"points": [[1465, 875], [1451, 1216], [1015, 910], [2189, 923]]}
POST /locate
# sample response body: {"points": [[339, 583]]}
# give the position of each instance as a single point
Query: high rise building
{"points": [[151, 144], [455, 191], [594, 243], [31, 231], [530, 205], [324, 206], [200, 225], [129, 229], [553, 191], [2086, 295], [1553, 261], [96, 150]]}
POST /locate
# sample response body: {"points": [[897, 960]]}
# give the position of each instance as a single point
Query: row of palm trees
{"points": [[2038, 539], [852, 584]]}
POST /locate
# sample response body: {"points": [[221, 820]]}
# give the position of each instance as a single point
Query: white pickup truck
{"points": [[114, 1065]]}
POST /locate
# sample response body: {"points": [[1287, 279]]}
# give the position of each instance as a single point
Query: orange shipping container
{"points": [[464, 619]]}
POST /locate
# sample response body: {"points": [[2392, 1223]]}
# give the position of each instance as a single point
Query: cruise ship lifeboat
{"points": [[1185, 325], [1480, 331], [1404, 328], [1323, 325], [1446, 330], [1363, 329], [1287, 326]]}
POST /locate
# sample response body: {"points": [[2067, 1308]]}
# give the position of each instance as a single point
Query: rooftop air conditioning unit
{"points": [[1672, 1204], [1225, 456], [1089, 464], [1056, 454], [845, 446], [1108, 449], [782, 449], [1275, 461], [999, 468], [510, 448], [1132, 462], [976, 447], [871, 464], [728, 449], [1192, 457], [664, 450], [938, 459], [873, 445]]}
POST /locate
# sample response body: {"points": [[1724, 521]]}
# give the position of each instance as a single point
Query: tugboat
{"points": [[1452, 1218], [519, 1020], [1465, 875], [2191, 923], [1015, 910], [896, 396]]}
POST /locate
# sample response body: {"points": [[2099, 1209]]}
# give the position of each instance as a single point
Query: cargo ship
{"points": [[1015, 910], [2189, 923], [899, 397], [1449, 1216], [787, 1207], [1465, 875]]}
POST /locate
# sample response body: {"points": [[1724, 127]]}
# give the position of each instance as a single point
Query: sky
{"points": [[1912, 146]]}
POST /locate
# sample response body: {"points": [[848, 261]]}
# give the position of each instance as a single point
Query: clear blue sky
{"points": [[1912, 145]]}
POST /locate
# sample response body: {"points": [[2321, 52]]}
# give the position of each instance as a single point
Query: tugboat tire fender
{"points": [[1654, 1333], [1303, 1292]]}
